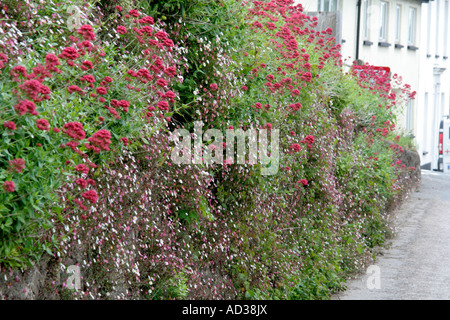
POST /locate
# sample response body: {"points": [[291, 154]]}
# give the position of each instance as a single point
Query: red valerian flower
{"points": [[125, 141], [3, 60], [296, 106], [296, 147], [51, 60], [32, 88], [43, 124], [82, 183], [17, 165], [119, 8], [82, 168], [25, 106], [213, 86], [134, 13], [163, 105], [9, 186], [10, 125], [171, 72], [88, 78], [303, 181], [161, 82], [87, 65], [124, 104], [161, 35], [74, 130], [146, 19], [121, 30], [169, 94], [309, 139], [86, 32], [69, 53], [108, 79], [90, 195], [100, 140], [101, 90], [17, 71], [73, 88]]}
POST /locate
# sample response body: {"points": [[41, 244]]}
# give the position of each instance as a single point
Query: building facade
{"points": [[411, 38], [434, 91]]}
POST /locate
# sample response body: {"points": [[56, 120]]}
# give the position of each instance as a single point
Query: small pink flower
{"points": [[213, 86], [303, 181]]}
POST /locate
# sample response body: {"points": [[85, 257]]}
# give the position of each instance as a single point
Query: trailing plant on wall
{"points": [[86, 169]]}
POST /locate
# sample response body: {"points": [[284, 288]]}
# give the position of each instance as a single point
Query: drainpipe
{"points": [[358, 27]]}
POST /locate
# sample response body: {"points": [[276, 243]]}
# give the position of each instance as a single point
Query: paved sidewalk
{"points": [[417, 264]]}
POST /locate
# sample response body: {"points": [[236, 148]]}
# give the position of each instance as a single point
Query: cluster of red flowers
{"points": [[82, 168], [86, 32], [35, 90], [9, 125], [74, 130], [25, 106], [296, 147], [3, 60], [9, 185], [43, 124], [90, 195], [69, 54], [74, 88], [99, 141], [309, 139], [17, 165]]}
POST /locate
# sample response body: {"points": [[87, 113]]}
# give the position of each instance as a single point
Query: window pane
{"points": [[397, 23], [366, 19], [412, 25], [383, 20], [333, 5]]}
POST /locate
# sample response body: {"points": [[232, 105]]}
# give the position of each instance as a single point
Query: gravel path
{"points": [[417, 264]]}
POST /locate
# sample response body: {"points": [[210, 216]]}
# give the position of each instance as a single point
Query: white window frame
{"points": [[384, 17], [366, 19], [331, 3], [398, 22], [409, 116], [412, 19], [445, 44], [438, 29]]}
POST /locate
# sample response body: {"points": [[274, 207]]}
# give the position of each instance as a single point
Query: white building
{"points": [[434, 86], [411, 38]]}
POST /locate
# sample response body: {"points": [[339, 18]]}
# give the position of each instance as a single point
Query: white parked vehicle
{"points": [[444, 145]]}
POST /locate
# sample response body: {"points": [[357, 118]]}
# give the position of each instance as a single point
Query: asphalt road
{"points": [[416, 266]]}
